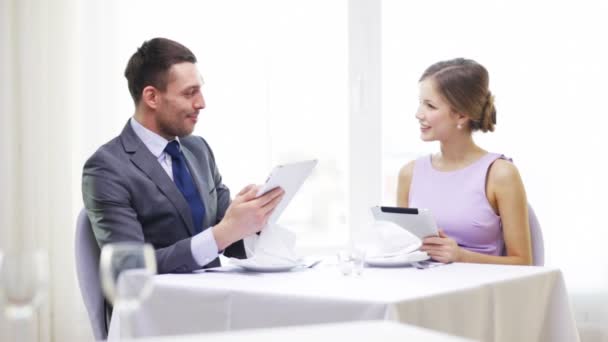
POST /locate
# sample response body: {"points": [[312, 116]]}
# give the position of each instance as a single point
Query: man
{"points": [[158, 184]]}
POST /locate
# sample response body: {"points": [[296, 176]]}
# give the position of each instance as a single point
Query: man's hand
{"points": [[246, 215]]}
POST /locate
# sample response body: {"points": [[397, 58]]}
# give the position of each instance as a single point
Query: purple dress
{"points": [[457, 199]]}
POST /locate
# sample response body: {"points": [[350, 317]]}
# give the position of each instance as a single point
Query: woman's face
{"points": [[436, 118]]}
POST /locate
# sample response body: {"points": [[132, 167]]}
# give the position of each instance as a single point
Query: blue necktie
{"points": [[185, 184]]}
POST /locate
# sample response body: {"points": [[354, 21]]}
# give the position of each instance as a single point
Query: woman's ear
{"points": [[462, 120], [150, 96]]}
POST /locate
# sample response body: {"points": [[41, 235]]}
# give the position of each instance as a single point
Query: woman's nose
{"points": [[419, 115]]}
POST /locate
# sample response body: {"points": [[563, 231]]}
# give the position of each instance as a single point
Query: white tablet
{"points": [[419, 222], [289, 177]]}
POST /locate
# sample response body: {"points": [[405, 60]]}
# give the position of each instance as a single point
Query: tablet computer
{"points": [[289, 177], [419, 222]]}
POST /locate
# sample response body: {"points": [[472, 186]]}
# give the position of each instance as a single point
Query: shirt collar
{"points": [[154, 142]]}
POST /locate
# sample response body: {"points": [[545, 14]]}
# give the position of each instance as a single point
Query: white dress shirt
{"points": [[203, 245]]}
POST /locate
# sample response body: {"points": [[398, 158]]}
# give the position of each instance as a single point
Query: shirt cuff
{"points": [[203, 247]]}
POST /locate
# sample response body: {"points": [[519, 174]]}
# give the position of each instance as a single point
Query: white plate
{"points": [[250, 265], [397, 261]]}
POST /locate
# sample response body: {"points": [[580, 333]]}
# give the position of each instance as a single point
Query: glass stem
{"points": [[19, 329], [126, 321]]}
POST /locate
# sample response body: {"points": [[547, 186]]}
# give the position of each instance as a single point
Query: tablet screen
{"points": [[290, 178]]}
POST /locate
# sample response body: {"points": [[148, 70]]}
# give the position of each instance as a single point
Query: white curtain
{"points": [[40, 103]]}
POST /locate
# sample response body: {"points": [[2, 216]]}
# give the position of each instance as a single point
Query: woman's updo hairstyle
{"points": [[464, 84]]}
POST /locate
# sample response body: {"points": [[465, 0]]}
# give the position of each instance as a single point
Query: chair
{"points": [[536, 236], [87, 270]]}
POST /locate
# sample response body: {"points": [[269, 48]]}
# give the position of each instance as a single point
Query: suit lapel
{"points": [[204, 186], [147, 163]]}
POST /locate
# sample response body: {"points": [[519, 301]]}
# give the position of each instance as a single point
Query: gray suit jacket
{"points": [[130, 197]]}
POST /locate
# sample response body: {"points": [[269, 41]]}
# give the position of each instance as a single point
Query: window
{"points": [[547, 71], [275, 76]]}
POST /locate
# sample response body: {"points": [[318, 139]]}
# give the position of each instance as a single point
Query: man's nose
{"points": [[199, 103]]}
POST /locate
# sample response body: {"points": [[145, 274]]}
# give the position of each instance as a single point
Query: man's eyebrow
{"points": [[191, 87]]}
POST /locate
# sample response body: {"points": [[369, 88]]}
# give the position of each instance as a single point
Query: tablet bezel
{"points": [[419, 222]]}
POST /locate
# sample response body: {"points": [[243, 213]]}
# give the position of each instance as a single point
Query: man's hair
{"points": [[150, 64]]}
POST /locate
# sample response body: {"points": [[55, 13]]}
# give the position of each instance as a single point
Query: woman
{"points": [[477, 197]]}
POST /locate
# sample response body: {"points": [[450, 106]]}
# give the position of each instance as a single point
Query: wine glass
{"points": [[23, 286], [126, 270]]}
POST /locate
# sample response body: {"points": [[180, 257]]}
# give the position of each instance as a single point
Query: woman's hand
{"points": [[443, 248]]}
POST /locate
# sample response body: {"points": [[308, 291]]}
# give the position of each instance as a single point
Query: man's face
{"points": [[181, 102]]}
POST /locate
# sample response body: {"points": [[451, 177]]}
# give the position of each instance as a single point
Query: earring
{"points": [[459, 126]]}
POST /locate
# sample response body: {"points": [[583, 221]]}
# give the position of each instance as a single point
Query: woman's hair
{"points": [[464, 84]]}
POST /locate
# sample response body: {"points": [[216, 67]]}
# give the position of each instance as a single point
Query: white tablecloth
{"points": [[384, 331], [481, 302]]}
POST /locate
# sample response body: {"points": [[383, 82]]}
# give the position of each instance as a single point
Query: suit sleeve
{"points": [[107, 200]]}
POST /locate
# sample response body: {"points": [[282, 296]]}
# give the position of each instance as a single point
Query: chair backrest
{"points": [[87, 269], [536, 235]]}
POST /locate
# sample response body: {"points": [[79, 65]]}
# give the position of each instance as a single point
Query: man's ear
{"points": [[150, 96]]}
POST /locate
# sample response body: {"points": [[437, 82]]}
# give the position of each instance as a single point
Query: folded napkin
{"points": [[388, 239], [275, 246]]}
